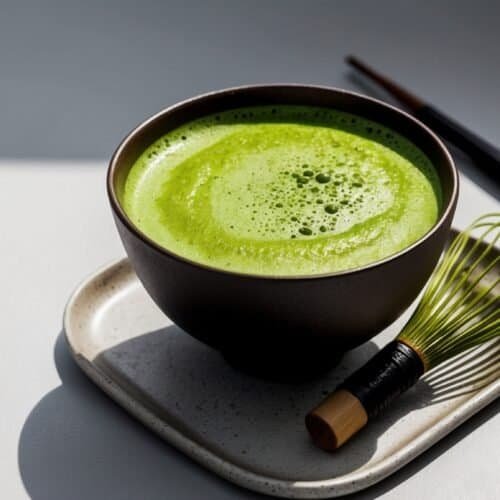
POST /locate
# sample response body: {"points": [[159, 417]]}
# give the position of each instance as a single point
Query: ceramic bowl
{"points": [[288, 327]]}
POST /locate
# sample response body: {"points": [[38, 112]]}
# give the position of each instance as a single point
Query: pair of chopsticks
{"points": [[486, 157]]}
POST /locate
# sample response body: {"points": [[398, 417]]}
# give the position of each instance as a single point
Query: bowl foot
{"points": [[279, 368]]}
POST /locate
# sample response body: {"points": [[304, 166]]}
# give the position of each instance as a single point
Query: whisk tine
{"points": [[450, 264], [458, 311], [460, 314]]}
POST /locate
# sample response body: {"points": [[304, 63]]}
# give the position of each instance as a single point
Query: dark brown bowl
{"points": [[294, 326]]}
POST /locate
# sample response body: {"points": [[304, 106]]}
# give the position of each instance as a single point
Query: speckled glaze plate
{"points": [[246, 430]]}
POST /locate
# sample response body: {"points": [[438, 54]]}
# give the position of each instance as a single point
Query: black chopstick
{"points": [[485, 156]]}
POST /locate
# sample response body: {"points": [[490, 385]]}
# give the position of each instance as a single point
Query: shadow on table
{"points": [[77, 444]]}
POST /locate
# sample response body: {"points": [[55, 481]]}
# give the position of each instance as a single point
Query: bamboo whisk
{"points": [[458, 311]]}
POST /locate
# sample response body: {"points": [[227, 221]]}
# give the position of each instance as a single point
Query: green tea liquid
{"points": [[284, 190]]}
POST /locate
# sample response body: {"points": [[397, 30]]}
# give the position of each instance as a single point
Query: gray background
{"points": [[74, 78]]}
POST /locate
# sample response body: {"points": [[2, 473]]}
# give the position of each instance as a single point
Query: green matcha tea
{"points": [[284, 190]]}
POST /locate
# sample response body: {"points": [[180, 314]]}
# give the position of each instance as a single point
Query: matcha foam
{"points": [[284, 190]]}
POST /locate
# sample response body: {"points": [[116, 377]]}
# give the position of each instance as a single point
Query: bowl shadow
{"points": [[76, 443]]}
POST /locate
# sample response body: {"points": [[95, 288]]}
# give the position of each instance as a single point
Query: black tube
{"points": [[392, 371], [482, 152]]}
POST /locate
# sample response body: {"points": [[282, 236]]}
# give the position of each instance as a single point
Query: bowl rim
{"points": [[118, 210]]}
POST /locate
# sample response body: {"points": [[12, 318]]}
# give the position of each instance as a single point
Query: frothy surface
{"points": [[284, 190]]}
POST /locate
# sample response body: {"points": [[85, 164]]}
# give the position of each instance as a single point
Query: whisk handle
{"points": [[364, 395], [392, 371]]}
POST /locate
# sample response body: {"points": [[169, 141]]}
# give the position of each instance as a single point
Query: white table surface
{"points": [[61, 438]]}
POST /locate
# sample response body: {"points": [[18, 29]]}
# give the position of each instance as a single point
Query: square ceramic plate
{"points": [[246, 430]]}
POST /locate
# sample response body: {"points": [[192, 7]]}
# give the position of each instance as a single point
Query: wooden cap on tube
{"points": [[336, 420]]}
